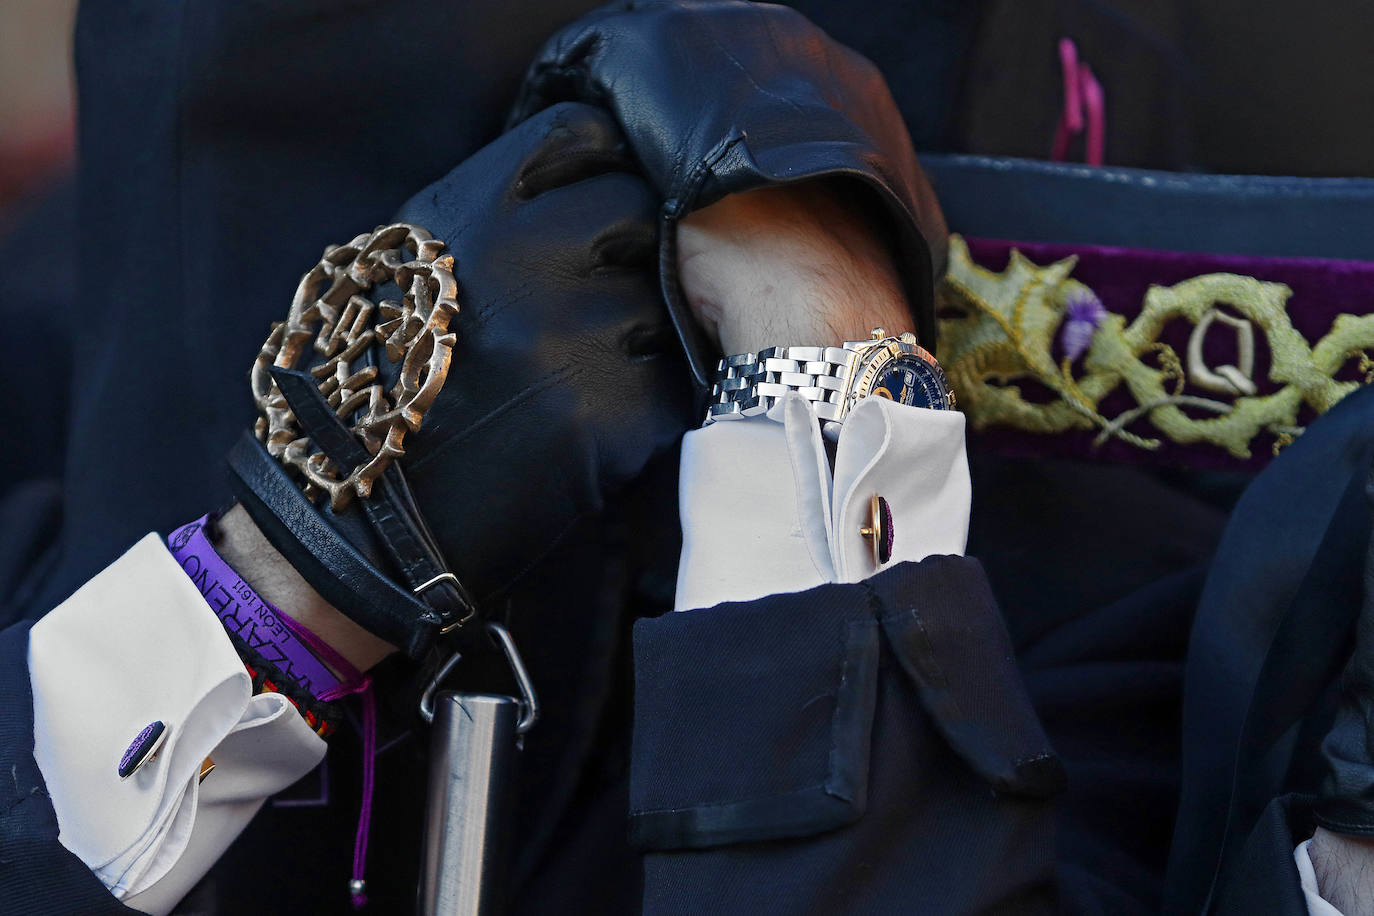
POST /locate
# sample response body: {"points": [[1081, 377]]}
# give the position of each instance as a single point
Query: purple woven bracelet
{"points": [[245, 614]]}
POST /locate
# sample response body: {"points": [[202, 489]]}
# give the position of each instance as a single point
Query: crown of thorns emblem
{"points": [[330, 314]]}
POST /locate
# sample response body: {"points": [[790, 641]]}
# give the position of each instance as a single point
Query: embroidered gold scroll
{"points": [[999, 329]]}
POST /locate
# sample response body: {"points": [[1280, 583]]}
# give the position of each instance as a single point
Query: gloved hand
{"points": [[563, 381], [721, 96]]}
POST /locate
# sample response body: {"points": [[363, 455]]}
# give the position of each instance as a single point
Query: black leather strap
{"points": [[390, 507], [333, 567]]}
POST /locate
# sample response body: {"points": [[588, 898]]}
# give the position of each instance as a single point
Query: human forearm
{"points": [[798, 264], [245, 548], [1344, 866]]}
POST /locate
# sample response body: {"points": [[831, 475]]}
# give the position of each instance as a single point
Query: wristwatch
{"points": [[833, 378]]}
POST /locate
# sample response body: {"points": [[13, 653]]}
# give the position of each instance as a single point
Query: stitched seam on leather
{"points": [[1361, 827], [745, 70], [415, 563], [539, 558], [529, 391], [329, 432], [277, 483]]}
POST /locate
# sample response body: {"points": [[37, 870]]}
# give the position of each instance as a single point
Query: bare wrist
{"points": [[1344, 866], [253, 557], [792, 265]]}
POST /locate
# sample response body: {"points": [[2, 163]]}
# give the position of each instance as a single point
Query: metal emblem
{"points": [[330, 315]]}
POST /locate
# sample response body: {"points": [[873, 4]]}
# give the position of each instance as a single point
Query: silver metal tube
{"points": [[472, 761]]}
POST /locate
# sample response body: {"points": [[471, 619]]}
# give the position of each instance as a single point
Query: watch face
{"points": [[909, 376]]}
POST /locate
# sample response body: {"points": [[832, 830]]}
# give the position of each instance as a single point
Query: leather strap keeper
{"points": [[336, 569]]}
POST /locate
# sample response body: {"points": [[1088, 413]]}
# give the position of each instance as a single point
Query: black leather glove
{"points": [[1346, 804], [564, 380], [722, 96]]}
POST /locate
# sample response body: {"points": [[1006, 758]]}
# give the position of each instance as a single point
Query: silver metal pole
{"points": [[472, 761]]}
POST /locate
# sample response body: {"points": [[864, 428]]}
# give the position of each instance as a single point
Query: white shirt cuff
{"points": [[138, 643], [762, 514]]}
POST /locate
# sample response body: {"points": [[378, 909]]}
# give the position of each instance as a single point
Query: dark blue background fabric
{"points": [[37, 372], [38, 279]]}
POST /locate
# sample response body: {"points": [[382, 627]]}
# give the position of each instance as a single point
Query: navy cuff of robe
{"points": [[753, 720], [1264, 878], [1347, 802]]}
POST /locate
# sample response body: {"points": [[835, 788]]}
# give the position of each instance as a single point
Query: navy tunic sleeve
{"points": [[852, 748]]}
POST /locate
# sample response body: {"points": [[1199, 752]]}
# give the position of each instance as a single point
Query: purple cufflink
{"points": [[144, 748]]}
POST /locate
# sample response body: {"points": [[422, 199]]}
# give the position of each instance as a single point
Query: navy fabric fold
{"points": [[947, 633], [753, 720], [776, 740], [1274, 617]]}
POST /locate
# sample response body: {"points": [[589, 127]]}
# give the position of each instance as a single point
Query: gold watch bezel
{"points": [[872, 357]]}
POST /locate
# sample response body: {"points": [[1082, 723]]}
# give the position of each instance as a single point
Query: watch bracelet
{"points": [[749, 384]]}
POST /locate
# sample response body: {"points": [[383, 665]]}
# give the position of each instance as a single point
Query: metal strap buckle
{"points": [[446, 577], [529, 703]]}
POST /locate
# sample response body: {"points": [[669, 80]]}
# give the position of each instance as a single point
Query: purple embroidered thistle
{"points": [[1083, 314]]}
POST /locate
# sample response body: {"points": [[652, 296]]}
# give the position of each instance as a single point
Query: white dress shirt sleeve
{"points": [[137, 643], [762, 513]]}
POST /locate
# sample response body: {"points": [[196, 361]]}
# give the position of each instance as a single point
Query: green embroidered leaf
{"points": [[998, 330]]}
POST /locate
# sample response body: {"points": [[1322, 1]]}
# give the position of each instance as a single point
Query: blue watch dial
{"points": [[913, 381]]}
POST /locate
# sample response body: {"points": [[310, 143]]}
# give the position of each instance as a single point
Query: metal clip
{"points": [[427, 698], [529, 703]]}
